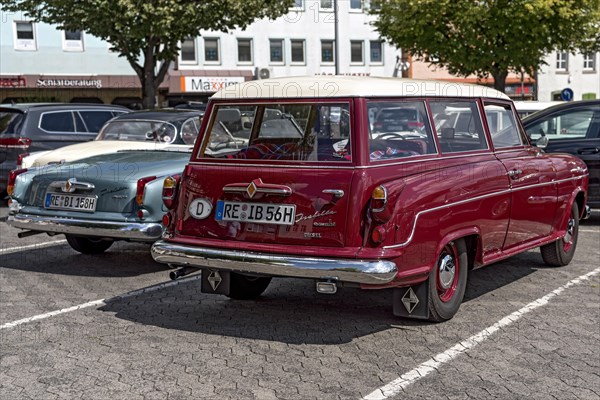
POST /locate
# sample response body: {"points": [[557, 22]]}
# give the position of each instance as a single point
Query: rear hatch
{"points": [[11, 121], [272, 173]]}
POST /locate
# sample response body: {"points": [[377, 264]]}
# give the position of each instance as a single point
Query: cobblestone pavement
{"points": [[177, 343]]}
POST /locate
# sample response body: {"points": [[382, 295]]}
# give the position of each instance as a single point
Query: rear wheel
{"points": [[560, 252], [448, 281], [88, 245], [244, 287]]}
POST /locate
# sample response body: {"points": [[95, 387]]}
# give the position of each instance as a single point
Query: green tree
{"points": [[488, 37], [148, 32]]}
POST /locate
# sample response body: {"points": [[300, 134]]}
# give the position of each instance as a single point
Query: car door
{"points": [[574, 129], [531, 174]]}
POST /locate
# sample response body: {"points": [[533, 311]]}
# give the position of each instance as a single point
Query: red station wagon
{"points": [[279, 188]]}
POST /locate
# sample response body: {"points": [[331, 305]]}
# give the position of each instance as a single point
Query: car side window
{"points": [[568, 124], [503, 126], [95, 119], [60, 122], [458, 125], [189, 131]]}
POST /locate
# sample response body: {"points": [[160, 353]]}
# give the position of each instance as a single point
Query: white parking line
{"points": [[398, 385], [9, 250], [96, 303], [589, 230]]}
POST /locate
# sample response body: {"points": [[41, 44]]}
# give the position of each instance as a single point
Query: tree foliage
{"points": [[489, 37], [148, 32]]}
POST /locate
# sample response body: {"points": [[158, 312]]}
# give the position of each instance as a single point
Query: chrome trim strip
{"points": [[345, 270], [414, 226], [147, 232], [227, 164]]}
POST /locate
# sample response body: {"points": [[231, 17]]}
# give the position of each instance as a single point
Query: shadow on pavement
{"points": [[121, 260], [290, 311]]}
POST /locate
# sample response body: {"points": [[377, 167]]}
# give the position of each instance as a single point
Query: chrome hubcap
{"points": [[447, 270], [570, 229]]}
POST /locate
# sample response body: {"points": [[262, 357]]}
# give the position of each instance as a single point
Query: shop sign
{"points": [[18, 82], [208, 83], [69, 83]]}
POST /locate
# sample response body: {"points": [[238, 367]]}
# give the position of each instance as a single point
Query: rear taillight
{"points": [[141, 189], [15, 142], [20, 159], [379, 199], [12, 177], [169, 191], [413, 124]]}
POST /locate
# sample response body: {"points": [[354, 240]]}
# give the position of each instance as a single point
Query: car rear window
{"points": [[61, 122], [10, 122], [138, 130], [280, 131]]}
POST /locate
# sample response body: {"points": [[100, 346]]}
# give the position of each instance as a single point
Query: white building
{"points": [[39, 62], [302, 42], [577, 72]]}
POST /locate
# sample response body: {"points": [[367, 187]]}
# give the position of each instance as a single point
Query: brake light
{"points": [[12, 177], [20, 159], [169, 191], [141, 189], [15, 143], [414, 124]]}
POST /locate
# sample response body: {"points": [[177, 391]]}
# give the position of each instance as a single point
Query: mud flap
{"points": [[215, 282], [412, 301]]}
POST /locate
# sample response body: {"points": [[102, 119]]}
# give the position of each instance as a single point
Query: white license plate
{"points": [[263, 213], [60, 201]]}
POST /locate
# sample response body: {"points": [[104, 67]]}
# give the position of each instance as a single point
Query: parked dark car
{"points": [[573, 128], [25, 128]]}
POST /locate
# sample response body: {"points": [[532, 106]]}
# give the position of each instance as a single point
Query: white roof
{"points": [[352, 86]]}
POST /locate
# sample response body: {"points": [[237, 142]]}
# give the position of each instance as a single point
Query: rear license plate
{"points": [[262, 213], [59, 201]]}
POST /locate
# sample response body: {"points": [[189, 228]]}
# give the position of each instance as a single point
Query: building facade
{"points": [[41, 63], [569, 76]]}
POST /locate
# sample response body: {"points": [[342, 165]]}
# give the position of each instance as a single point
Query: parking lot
{"points": [[114, 326]]}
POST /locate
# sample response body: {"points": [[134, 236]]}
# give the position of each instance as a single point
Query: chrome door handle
{"points": [[335, 192], [514, 174]]}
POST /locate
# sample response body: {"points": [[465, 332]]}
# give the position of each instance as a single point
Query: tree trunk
{"points": [[148, 89], [500, 80]]}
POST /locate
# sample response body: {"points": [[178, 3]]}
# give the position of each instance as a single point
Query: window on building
{"points": [[376, 51], [211, 50], [297, 51], [326, 4], [188, 51], [356, 52], [24, 36], [355, 5], [276, 50], [298, 4], [73, 40], [245, 51], [562, 61], [589, 62], [327, 51]]}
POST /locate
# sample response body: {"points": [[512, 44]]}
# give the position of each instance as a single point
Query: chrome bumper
{"points": [[357, 271], [147, 232]]}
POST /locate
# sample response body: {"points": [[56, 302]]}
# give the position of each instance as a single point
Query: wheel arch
{"points": [[472, 238]]}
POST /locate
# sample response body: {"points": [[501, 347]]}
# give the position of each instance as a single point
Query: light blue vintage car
{"points": [[96, 200]]}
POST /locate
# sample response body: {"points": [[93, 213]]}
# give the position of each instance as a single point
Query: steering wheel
{"points": [[391, 135]]}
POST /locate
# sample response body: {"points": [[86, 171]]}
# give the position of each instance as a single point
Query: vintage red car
{"points": [[292, 178]]}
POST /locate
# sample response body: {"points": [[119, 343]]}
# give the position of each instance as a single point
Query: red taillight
{"points": [[141, 188], [15, 142], [12, 177], [166, 219], [20, 159], [378, 234], [415, 124], [378, 125], [169, 191]]}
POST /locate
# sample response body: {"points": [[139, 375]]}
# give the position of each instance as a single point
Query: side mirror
{"points": [[542, 142]]}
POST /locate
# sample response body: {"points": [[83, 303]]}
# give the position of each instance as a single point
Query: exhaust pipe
{"points": [[181, 272], [25, 234]]}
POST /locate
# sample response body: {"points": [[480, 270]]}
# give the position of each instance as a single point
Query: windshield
{"points": [[138, 130], [280, 131], [10, 122]]}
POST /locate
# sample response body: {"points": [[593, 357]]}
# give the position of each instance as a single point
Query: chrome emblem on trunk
{"points": [[69, 185]]}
